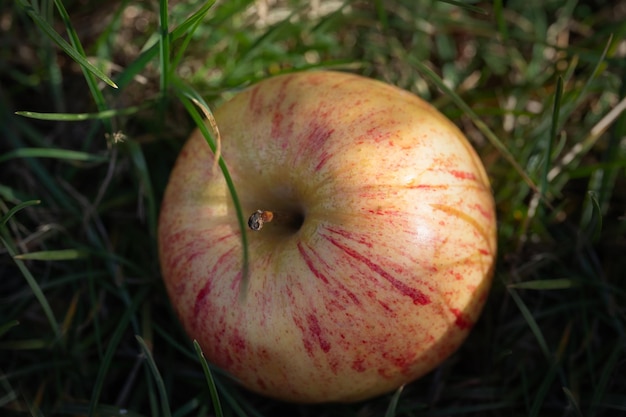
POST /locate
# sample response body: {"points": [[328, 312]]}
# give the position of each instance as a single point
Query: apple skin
{"points": [[392, 262]]}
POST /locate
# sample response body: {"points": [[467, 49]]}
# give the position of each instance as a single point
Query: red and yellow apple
{"points": [[379, 258]]}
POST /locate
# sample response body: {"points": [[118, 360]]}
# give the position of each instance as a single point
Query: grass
{"points": [[538, 87]]}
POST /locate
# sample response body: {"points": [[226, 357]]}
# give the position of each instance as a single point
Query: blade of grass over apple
{"points": [[63, 44], [188, 97], [165, 407], [217, 406], [493, 139]]}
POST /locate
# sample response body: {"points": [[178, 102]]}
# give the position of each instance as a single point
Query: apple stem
{"points": [[258, 218], [290, 220]]}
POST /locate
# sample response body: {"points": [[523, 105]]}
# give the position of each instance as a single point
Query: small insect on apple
{"points": [[259, 218], [380, 251]]}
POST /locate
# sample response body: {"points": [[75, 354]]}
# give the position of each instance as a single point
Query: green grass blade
{"points": [[553, 133], [608, 370], [597, 70], [530, 320], [381, 13], [11, 195], [570, 158], [217, 406], [40, 172], [165, 407], [89, 76], [545, 284], [266, 38], [613, 156], [32, 283], [17, 208], [102, 44], [466, 6], [143, 173], [468, 410], [78, 117], [573, 402], [62, 43], [105, 364], [482, 126], [393, 404], [146, 56], [187, 408], [498, 11], [79, 409], [4, 328], [164, 46], [25, 344], [172, 340], [194, 22], [237, 402], [62, 154], [591, 222], [187, 96], [53, 255], [542, 391]]}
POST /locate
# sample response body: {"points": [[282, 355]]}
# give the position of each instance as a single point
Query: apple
{"points": [[379, 255]]}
